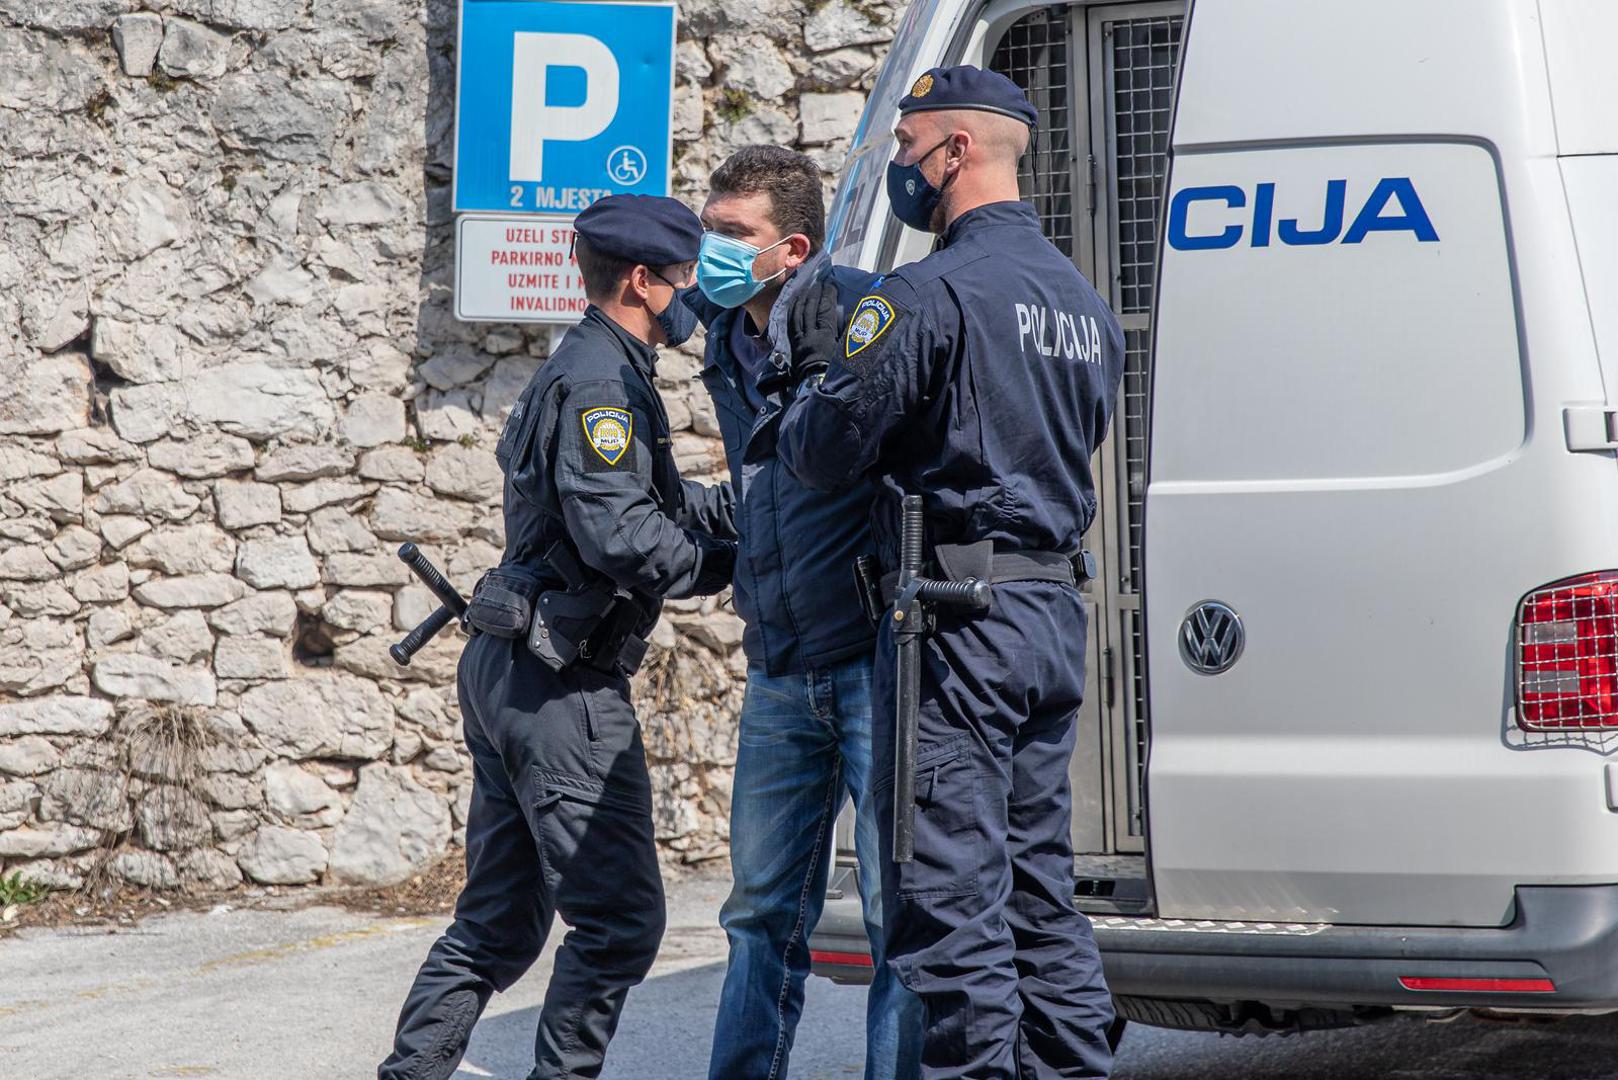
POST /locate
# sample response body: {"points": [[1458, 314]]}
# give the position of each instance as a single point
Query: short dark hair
{"points": [[790, 179], [601, 272]]}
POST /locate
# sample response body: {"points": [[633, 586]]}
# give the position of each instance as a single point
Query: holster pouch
{"points": [[868, 584], [503, 602], [564, 621], [961, 562]]}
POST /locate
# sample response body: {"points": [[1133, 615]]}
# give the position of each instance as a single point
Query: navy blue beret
{"points": [[648, 229], [968, 87]]}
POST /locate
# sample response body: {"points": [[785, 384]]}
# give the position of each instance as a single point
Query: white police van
{"points": [[1354, 667]]}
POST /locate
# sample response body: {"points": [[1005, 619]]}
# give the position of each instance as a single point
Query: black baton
{"points": [[453, 605], [910, 620]]}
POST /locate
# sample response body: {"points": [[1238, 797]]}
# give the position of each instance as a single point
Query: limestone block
{"points": [[146, 869], [242, 14], [53, 873], [131, 675], [208, 868], [250, 657], [94, 446], [446, 415], [137, 37], [465, 472], [55, 313], [29, 755], [691, 63], [60, 498], [381, 367], [282, 562], [171, 819], [86, 797], [191, 50], [149, 215], [149, 494], [119, 529], [322, 714], [107, 626], [203, 457], [449, 370], [364, 202], [359, 610], [241, 504], [57, 715], [399, 515], [299, 797], [752, 64], [280, 856], [374, 420], [262, 613], [138, 352], [394, 464], [44, 394], [393, 828], [261, 399], [281, 282], [335, 529], [303, 498], [16, 802], [32, 842], [305, 463], [827, 118], [182, 637], [184, 549], [101, 584], [46, 598], [368, 656], [74, 548], [841, 23], [505, 385], [19, 463], [411, 605], [364, 571], [25, 564], [192, 590], [48, 73], [268, 113]]}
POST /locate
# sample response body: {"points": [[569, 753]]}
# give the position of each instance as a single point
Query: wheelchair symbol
{"points": [[626, 165]]}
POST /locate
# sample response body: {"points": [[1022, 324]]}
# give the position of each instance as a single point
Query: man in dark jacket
{"points": [[805, 736], [600, 529]]}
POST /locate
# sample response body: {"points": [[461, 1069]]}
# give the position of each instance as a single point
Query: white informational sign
{"points": [[516, 268]]}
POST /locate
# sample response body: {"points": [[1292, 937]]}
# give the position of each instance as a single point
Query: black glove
{"points": [[814, 329], [718, 566]]}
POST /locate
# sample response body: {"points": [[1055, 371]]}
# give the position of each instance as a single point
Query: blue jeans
{"points": [[805, 743]]}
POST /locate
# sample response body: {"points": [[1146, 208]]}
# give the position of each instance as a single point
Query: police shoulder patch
{"points": [[873, 317], [608, 431]]}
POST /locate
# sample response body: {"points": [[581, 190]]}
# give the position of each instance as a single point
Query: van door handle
{"points": [[1108, 683]]}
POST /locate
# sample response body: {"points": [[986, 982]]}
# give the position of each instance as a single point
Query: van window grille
{"points": [[1137, 734], [1144, 52], [1033, 55], [1136, 398]]}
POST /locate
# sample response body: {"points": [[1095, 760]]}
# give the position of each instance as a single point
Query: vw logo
{"points": [[1211, 638]]}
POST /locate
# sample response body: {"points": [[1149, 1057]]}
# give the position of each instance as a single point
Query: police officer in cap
{"points": [[981, 378], [600, 529]]}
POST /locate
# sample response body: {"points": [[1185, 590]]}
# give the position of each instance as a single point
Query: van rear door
{"points": [[1351, 485]]}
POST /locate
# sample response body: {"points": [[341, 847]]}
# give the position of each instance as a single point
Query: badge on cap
{"points": [[871, 320], [923, 87], [608, 431]]}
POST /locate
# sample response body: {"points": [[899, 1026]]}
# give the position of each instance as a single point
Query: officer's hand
{"points": [[718, 565], [814, 329]]}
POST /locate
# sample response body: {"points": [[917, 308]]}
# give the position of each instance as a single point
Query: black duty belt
{"points": [[1003, 566]]}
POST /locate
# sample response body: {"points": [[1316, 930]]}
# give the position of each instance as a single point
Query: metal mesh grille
{"points": [[1143, 55], [1136, 397], [1033, 55], [1137, 733]]}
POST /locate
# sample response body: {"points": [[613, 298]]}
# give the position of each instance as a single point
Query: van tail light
{"points": [[839, 959], [1567, 654], [1479, 986]]}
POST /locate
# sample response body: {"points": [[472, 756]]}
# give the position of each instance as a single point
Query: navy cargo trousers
{"points": [[560, 823], [981, 925]]}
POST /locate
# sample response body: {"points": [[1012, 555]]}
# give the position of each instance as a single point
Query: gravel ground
{"points": [[311, 994]]}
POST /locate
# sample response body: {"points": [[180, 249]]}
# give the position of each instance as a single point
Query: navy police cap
{"points": [[648, 229], [968, 87]]}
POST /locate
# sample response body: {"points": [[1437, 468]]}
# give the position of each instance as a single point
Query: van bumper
{"points": [[1562, 943]]}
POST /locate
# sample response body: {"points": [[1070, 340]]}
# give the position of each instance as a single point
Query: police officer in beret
{"points": [[981, 378], [600, 529]]}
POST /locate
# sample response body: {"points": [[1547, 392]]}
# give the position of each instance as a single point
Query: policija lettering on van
{"points": [[1378, 214]]}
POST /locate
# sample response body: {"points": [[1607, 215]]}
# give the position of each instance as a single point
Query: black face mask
{"points": [[912, 195], [678, 321]]}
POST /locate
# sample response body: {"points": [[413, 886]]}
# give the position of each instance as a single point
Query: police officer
{"points": [[599, 530], [981, 378]]}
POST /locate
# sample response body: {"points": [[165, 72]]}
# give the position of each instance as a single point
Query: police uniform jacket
{"points": [[983, 378], [794, 584], [586, 453]]}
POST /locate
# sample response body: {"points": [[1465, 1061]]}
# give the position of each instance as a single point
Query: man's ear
{"points": [[797, 246], [639, 283]]}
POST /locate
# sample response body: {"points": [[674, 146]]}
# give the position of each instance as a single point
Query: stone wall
{"points": [[231, 383]]}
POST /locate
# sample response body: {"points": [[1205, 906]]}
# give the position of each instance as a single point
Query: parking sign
{"points": [[560, 103]]}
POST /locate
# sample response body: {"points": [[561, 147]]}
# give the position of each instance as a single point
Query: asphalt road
{"points": [[312, 994]]}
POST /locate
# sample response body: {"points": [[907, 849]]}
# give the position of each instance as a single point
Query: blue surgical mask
{"points": [[912, 195], [725, 269]]}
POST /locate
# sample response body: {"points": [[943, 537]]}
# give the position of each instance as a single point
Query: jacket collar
{"points": [[988, 216], [642, 355]]}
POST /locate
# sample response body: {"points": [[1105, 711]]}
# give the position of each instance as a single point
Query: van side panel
{"points": [[1358, 446], [1584, 80]]}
